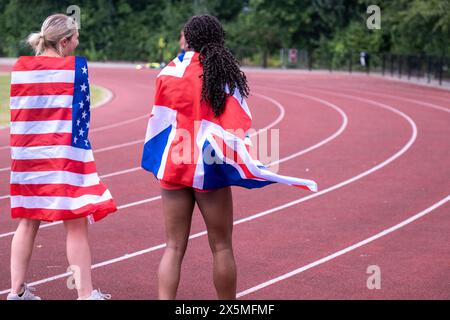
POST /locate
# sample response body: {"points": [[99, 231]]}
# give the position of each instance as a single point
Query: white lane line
{"points": [[344, 251], [121, 123], [423, 103], [108, 175], [139, 141], [113, 174], [103, 128], [369, 90], [131, 143], [118, 146], [42, 226], [389, 92], [398, 154], [118, 173], [52, 224], [137, 203], [270, 125], [290, 274], [256, 216], [277, 120], [321, 143], [146, 116]]}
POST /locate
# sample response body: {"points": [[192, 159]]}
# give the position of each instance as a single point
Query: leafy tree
{"points": [[256, 29]]}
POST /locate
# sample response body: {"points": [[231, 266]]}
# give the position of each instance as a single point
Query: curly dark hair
{"points": [[205, 34]]}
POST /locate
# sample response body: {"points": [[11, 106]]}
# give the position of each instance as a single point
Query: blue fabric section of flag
{"points": [[219, 175], [81, 114], [154, 150], [181, 55]]}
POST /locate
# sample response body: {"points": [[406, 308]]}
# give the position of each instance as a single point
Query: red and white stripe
{"points": [[50, 179]]}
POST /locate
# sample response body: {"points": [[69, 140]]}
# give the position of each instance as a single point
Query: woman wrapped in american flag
{"points": [[197, 147], [53, 173]]}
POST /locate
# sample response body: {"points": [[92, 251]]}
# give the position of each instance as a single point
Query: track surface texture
{"points": [[379, 150]]}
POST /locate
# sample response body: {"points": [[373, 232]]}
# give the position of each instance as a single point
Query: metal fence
{"points": [[401, 66]]}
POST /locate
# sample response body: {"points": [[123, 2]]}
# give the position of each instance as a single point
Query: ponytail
{"points": [[55, 28], [36, 42]]}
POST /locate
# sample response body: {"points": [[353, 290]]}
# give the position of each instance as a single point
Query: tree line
{"points": [[148, 30]]}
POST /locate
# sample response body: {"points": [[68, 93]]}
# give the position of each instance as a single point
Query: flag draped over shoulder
{"points": [[185, 144], [53, 173]]}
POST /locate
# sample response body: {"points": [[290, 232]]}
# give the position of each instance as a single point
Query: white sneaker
{"points": [[97, 295], [27, 294]]}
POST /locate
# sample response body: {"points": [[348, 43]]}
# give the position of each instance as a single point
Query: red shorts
{"points": [[175, 186]]}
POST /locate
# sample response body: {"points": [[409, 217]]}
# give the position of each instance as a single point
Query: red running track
{"points": [[379, 150]]}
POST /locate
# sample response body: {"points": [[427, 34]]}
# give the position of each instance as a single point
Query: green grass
{"points": [[4, 99], [97, 95]]}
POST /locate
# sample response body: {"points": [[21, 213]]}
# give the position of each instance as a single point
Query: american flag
{"points": [[186, 144], [53, 172]]}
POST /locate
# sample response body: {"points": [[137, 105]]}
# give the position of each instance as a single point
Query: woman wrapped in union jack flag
{"points": [[53, 173], [197, 147]]}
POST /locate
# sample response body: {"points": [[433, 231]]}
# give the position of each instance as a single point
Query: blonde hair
{"points": [[55, 28]]}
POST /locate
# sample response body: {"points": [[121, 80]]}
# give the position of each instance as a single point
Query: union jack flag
{"points": [[53, 172], [186, 144]]}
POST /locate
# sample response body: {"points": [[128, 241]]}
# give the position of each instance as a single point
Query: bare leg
{"points": [[21, 251], [178, 206], [217, 210], [79, 255]]}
